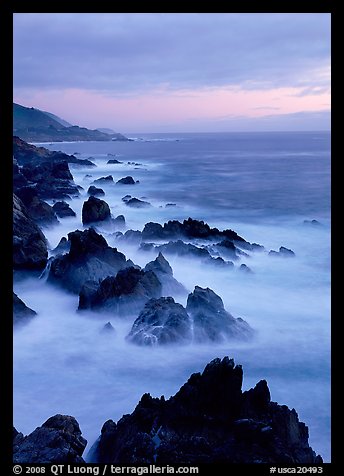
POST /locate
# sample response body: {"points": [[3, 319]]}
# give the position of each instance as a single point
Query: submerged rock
{"points": [[209, 420], [211, 322], [283, 252], [89, 258], [92, 190], [124, 294], [107, 179], [62, 210], [94, 210], [21, 313], [29, 243], [162, 321], [58, 440], [108, 329], [136, 203], [114, 161]]}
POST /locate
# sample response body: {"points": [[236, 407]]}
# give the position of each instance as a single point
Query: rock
{"points": [[162, 321], [209, 420], [108, 329], [170, 205], [29, 244], [312, 222], [92, 190], [26, 153], [136, 203], [228, 248], [119, 221], [161, 267], [94, 210], [189, 229], [245, 269], [126, 180], [52, 180], [62, 210], [107, 179], [89, 258], [62, 247], [126, 198], [126, 293], [182, 249], [211, 322], [21, 313], [114, 161], [58, 440], [132, 236], [218, 262], [41, 212], [283, 252]]}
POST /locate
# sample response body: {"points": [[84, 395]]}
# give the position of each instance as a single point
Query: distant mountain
{"points": [[33, 125]]}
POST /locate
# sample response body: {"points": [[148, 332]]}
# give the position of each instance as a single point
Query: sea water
{"points": [[263, 186]]}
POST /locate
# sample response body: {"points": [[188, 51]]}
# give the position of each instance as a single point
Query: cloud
{"points": [[128, 54]]}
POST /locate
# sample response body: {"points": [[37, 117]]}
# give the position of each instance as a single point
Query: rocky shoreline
{"points": [[210, 419]]}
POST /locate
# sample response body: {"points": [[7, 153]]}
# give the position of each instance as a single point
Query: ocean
{"points": [[262, 185]]}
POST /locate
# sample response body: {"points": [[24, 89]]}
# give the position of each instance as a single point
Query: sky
{"points": [[183, 72]]}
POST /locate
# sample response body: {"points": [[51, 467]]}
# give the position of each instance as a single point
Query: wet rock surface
{"points": [[95, 210], [89, 258], [58, 440], [22, 314], [209, 420]]}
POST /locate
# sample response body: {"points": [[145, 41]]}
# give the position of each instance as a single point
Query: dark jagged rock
{"points": [[189, 229], [22, 314], [211, 322], [92, 190], [283, 252], [136, 203], [228, 248], [62, 210], [29, 244], [89, 258], [164, 272], [209, 420], [58, 440], [183, 249], [114, 161], [218, 262], [124, 293], [126, 180], [94, 210], [41, 212], [26, 153], [162, 321], [107, 179], [62, 247]]}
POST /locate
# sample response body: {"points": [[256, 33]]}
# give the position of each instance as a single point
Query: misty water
{"points": [[261, 185]]}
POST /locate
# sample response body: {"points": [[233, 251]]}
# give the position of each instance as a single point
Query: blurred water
{"points": [[261, 185]]}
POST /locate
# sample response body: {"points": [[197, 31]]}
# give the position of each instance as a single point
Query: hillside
{"points": [[33, 125]]}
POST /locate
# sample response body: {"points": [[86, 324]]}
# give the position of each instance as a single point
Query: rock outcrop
{"points": [[29, 244], [62, 209], [128, 180], [58, 440], [123, 294], [211, 322], [137, 203], [282, 252], [95, 210], [95, 191], [209, 420], [161, 267], [89, 258], [162, 321], [22, 314]]}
